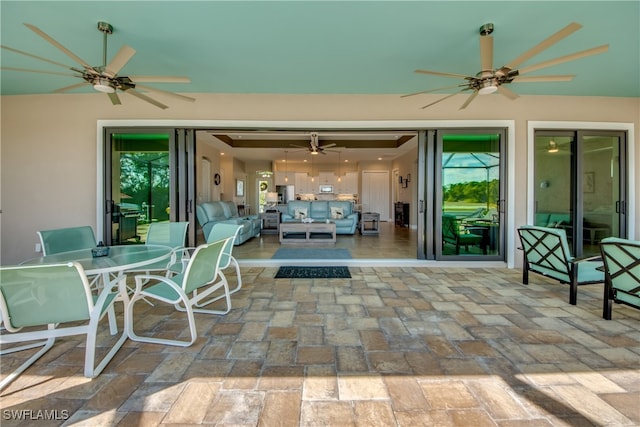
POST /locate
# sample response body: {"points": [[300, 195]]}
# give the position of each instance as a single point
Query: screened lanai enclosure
{"points": [[471, 188]]}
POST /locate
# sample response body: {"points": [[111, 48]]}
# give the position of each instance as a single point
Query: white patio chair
{"points": [[172, 234], [202, 274], [39, 296], [219, 232], [66, 239]]}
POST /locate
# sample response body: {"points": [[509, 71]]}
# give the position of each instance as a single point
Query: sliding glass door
{"points": [[469, 188], [579, 180], [145, 172]]}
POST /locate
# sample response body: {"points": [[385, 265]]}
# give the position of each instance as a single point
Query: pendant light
{"points": [[286, 173], [312, 178]]}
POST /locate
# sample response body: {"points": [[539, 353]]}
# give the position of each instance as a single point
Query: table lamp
{"points": [[271, 199]]}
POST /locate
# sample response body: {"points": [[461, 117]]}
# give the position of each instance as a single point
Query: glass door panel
{"points": [[600, 190], [472, 216], [578, 179], [137, 184], [553, 181]]}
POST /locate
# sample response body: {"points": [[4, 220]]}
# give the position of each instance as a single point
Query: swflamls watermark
{"points": [[31, 415]]}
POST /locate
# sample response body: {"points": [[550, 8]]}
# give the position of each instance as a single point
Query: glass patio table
{"points": [[111, 268]]}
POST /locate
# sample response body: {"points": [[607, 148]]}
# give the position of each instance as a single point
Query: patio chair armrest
{"points": [[593, 258], [144, 279]]}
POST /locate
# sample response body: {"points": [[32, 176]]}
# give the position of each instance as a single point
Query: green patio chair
{"points": [[621, 258], [456, 234], [69, 239], [546, 252], [66, 239], [172, 234], [200, 279], [51, 301], [223, 231]]}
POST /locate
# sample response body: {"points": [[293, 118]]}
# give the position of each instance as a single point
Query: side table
{"points": [[270, 222], [369, 223]]}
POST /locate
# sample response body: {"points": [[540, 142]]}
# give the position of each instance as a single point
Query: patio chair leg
{"points": [[12, 376], [607, 304], [181, 343], [573, 291]]}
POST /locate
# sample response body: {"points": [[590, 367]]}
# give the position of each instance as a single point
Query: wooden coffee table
{"points": [[311, 232]]}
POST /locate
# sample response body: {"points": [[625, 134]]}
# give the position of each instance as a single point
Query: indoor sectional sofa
{"points": [[340, 212], [226, 212]]}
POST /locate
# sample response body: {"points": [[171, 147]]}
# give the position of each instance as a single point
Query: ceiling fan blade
{"points": [[566, 58], [431, 90], [507, 92], [438, 73], [299, 146], [486, 53], [550, 41], [322, 147], [175, 95], [115, 99], [146, 98], [117, 62], [441, 99], [469, 100], [536, 79], [70, 54], [71, 87], [28, 70], [35, 56], [159, 79]]}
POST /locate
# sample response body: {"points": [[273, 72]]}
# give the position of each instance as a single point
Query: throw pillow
{"points": [[336, 213], [300, 213]]}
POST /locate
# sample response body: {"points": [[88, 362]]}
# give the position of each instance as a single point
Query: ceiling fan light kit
{"points": [[104, 78], [103, 85], [490, 80]]}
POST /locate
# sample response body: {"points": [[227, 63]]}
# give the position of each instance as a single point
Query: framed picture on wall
{"points": [[239, 188], [589, 183]]}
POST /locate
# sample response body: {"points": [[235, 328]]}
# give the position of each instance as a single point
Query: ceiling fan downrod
{"points": [[105, 28]]}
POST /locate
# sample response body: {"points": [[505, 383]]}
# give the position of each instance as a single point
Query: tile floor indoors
{"points": [[392, 346]]}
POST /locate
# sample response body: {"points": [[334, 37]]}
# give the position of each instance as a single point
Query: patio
{"points": [[391, 346]]}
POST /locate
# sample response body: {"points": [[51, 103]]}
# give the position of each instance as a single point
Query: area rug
{"points": [[312, 253], [292, 272]]}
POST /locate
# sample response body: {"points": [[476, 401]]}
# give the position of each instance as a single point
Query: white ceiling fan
{"points": [[104, 78], [489, 80], [314, 145]]}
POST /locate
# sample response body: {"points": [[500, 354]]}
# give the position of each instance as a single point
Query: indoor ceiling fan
{"points": [[104, 78], [314, 145], [489, 80]]}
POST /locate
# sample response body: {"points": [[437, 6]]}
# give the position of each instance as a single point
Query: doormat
{"points": [[292, 272], [312, 253]]}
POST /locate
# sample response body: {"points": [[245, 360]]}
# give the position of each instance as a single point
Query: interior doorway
{"points": [[375, 193]]}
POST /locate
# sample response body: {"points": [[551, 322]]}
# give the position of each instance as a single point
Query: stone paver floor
{"points": [[389, 347]]}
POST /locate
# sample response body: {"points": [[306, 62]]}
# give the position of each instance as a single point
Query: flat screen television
{"points": [[326, 188]]}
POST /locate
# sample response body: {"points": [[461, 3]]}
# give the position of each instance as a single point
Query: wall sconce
{"points": [[404, 182]]}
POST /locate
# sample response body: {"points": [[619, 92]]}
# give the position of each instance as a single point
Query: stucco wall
{"points": [[49, 152]]}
